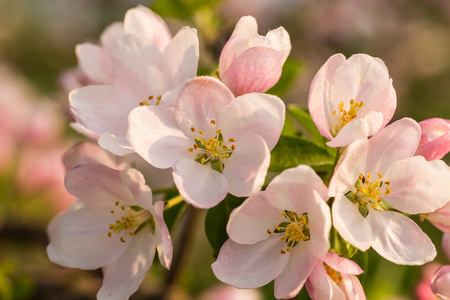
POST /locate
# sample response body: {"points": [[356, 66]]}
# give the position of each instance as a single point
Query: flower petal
{"points": [[342, 264], [246, 169], [163, 239], [440, 284], [111, 34], [250, 266], [154, 135], [399, 240], [350, 224], [298, 268], [418, 186], [79, 239], [256, 70], [86, 152], [123, 277], [199, 184], [142, 21], [117, 145], [260, 114], [446, 244], [201, 100], [320, 286], [319, 224], [95, 62], [248, 223]]}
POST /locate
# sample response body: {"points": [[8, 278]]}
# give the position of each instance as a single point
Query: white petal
{"points": [[111, 34], [250, 266], [350, 224], [247, 167], [123, 277], [248, 223], [321, 286], [199, 184], [319, 224], [117, 145], [95, 62], [399, 239]]}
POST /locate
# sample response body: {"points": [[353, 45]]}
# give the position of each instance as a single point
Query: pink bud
{"points": [[440, 284], [435, 139]]}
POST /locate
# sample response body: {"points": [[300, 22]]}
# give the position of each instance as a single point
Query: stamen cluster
{"points": [[346, 116]]}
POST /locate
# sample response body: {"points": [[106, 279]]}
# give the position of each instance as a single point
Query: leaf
{"points": [[305, 120], [291, 69], [293, 151], [181, 9], [217, 219]]}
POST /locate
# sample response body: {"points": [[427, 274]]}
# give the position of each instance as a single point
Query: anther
{"points": [[122, 207], [190, 150], [195, 146], [213, 122], [288, 249], [122, 240], [117, 203], [201, 132], [233, 147], [192, 129], [369, 176], [282, 251], [112, 211], [387, 182], [379, 175], [109, 234], [269, 231], [219, 131], [203, 160], [150, 97], [231, 140]]}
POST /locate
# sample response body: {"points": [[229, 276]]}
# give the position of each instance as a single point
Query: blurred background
{"points": [[37, 61]]}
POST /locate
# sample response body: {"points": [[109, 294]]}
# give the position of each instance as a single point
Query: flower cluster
{"points": [[146, 105]]}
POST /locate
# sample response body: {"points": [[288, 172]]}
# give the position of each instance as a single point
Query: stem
{"points": [[366, 267], [186, 236], [173, 202]]}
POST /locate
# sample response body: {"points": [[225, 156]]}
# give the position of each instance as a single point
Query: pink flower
{"points": [[423, 288], [277, 234], [446, 244], [435, 139], [250, 62], [440, 218], [215, 143], [380, 173], [351, 99], [105, 229], [440, 284], [226, 292], [333, 277], [137, 71]]}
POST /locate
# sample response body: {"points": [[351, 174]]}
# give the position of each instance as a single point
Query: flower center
{"points": [[212, 150], [369, 193], [150, 98], [346, 116], [131, 220], [334, 275], [293, 230]]}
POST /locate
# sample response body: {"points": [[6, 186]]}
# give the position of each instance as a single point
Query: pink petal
{"points": [[293, 189], [183, 54], [418, 186], [246, 169], [117, 145], [84, 131], [320, 286], [394, 142], [446, 244], [79, 239], [440, 284], [342, 264], [352, 288], [256, 70], [154, 135], [317, 97], [358, 128], [199, 184], [350, 224], [298, 268], [101, 108], [250, 266], [260, 114], [163, 239], [123, 277], [399, 239], [435, 139], [95, 62], [248, 223], [441, 218], [319, 224], [200, 101], [98, 186], [142, 21], [111, 34]]}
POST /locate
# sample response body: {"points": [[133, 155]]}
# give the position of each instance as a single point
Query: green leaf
{"points": [[305, 119], [181, 9], [291, 69], [293, 151], [217, 219]]}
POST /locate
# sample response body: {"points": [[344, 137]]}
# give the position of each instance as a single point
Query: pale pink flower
{"points": [[435, 139], [351, 99], [423, 289], [137, 71], [250, 62], [440, 218], [216, 144], [226, 292], [334, 278], [277, 234], [380, 173], [104, 229], [440, 284]]}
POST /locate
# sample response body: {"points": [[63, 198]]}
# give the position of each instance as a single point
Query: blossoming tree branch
{"points": [[303, 205]]}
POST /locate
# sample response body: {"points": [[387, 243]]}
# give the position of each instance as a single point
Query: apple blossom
{"points": [[440, 284], [379, 174], [250, 62], [435, 139], [440, 218], [333, 277], [423, 289], [113, 225], [141, 71], [277, 234], [351, 99], [215, 143]]}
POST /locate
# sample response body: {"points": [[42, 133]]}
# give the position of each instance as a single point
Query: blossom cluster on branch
{"points": [[147, 106]]}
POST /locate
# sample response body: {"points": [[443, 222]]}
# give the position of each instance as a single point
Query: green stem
{"points": [[366, 268], [173, 202]]}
